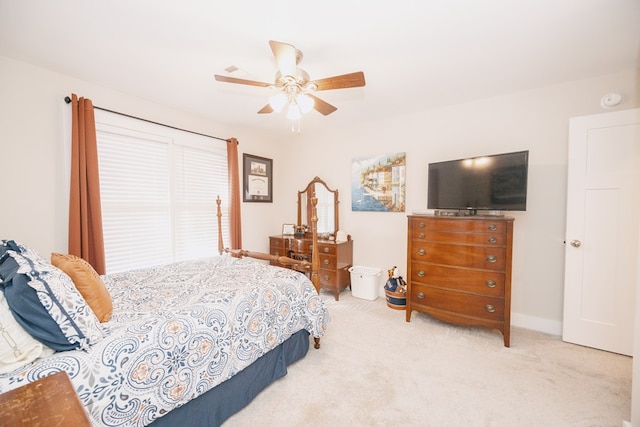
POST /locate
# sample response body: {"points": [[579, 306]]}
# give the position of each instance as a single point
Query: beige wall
{"points": [[34, 206], [535, 120], [34, 155]]}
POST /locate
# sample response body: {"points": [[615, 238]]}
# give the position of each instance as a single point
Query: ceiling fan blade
{"points": [[321, 106], [341, 82], [285, 55], [266, 109], [241, 81]]}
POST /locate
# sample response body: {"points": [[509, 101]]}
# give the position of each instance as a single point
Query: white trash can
{"points": [[365, 282]]}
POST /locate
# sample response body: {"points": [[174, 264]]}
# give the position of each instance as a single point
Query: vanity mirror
{"points": [[334, 256], [327, 208]]}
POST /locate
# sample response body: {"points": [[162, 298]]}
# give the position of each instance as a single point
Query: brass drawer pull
{"points": [[493, 227], [421, 236], [421, 273], [421, 251], [420, 295], [490, 308], [326, 262], [492, 258], [421, 224], [325, 250], [492, 239], [490, 283]]}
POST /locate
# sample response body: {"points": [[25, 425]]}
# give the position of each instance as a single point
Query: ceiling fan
{"points": [[293, 86]]}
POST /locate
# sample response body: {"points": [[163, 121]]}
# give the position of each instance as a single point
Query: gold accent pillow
{"points": [[88, 283]]}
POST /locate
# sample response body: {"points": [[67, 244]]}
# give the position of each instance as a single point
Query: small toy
{"points": [[395, 290]]}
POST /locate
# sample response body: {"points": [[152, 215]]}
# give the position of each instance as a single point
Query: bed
{"points": [[189, 343]]}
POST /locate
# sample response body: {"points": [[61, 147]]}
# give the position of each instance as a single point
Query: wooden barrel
{"points": [[396, 300]]}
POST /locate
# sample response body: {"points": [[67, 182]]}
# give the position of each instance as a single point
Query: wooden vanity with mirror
{"points": [[336, 257]]}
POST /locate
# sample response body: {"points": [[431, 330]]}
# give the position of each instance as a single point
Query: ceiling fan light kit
{"points": [[294, 88], [278, 101], [305, 102]]}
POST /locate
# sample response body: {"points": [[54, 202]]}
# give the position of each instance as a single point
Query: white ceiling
{"points": [[415, 55]]}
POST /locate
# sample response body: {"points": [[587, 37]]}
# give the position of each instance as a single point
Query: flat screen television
{"points": [[495, 182]]}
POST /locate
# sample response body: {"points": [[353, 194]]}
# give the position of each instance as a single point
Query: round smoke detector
{"points": [[611, 100]]}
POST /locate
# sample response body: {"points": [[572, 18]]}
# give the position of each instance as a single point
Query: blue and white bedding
{"points": [[179, 330]]}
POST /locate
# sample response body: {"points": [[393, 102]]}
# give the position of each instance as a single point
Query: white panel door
{"points": [[603, 216]]}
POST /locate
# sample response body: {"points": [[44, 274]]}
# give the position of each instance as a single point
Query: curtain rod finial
{"points": [[67, 100]]}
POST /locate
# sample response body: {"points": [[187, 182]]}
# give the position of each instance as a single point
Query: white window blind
{"points": [[158, 192]]}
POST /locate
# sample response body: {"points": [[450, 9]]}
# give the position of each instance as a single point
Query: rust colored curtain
{"points": [[85, 212], [235, 225]]}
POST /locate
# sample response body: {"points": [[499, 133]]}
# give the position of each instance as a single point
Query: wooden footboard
{"points": [[302, 265]]}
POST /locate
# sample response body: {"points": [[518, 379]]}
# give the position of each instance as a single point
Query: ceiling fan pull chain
{"points": [[293, 125]]}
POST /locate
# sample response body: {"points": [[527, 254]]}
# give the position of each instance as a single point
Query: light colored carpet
{"points": [[374, 369]]}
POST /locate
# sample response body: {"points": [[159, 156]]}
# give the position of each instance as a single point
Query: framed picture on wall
{"points": [[378, 183], [257, 179]]}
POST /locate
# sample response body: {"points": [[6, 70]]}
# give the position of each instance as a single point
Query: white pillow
{"points": [[17, 346]]}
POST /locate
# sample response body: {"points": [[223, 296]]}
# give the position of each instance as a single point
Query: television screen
{"points": [[494, 182]]}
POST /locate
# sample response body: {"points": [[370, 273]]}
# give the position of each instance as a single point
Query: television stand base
{"points": [[447, 212], [491, 213], [468, 212]]}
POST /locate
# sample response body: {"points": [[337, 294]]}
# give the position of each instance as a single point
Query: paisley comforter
{"points": [[179, 330]]}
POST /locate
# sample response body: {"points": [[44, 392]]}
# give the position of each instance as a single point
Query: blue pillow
{"points": [[46, 303], [8, 245], [27, 310]]}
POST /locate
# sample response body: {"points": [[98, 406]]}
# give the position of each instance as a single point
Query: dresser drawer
{"points": [[277, 244], [277, 252], [485, 307], [328, 278], [277, 247], [491, 239], [326, 249], [328, 262], [468, 225], [474, 281], [484, 257], [301, 245]]}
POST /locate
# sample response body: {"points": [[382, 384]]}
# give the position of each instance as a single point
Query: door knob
{"points": [[576, 243]]}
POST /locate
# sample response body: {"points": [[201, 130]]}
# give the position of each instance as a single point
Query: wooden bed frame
{"points": [[41, 399], [300, 265]]}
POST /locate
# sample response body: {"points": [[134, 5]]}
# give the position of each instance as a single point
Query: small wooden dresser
{"points": [[459, 269], [49, 401], [335, 259]]}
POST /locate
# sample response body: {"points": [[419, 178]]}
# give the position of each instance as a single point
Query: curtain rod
{"points": [[68, 101]]}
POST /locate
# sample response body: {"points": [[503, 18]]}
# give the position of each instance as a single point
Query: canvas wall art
{"points": [[378, 183]]}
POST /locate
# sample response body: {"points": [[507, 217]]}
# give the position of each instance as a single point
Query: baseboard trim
{"points": [[548, 326]]}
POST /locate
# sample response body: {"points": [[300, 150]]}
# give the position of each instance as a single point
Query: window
{"points": [[158, 191]]}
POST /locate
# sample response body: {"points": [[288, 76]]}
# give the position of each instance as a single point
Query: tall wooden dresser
{"points": [[459, 269], [335, 259]]}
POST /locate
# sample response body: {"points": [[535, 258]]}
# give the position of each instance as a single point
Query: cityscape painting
{"points": [[378, 183]]}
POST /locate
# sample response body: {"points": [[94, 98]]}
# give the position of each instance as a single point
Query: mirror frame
{"points": [[309, 192]]}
